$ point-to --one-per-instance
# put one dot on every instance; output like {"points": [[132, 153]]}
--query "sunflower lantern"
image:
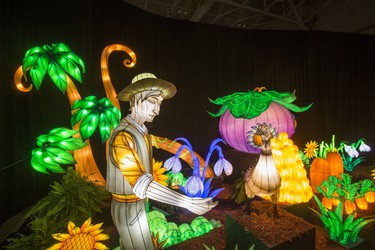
{"points": [[86, 237]]}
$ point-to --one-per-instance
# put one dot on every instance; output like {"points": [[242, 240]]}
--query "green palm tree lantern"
{"points": [[94, 113], [58, 60]]}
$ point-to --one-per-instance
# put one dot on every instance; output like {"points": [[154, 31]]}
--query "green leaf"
{"points": [[87, 103], [53, 138], [78, 116], [40, 140], [89, 125], [63, 132], [348, 221], [113, 114], [51, 164], [337, 223], [69, 66], [354, 234], [322, 208], [72, 56], [71, 144], [35, 50], [60, 156], [39, 70], [37, 165], [104, 128], [58, 76], [31, 56], [59, 48]]}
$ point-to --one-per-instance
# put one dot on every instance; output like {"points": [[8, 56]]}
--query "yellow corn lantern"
{"points": [[295, 187]]}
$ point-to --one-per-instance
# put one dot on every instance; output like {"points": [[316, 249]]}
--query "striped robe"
{"points": [[129, 156]]}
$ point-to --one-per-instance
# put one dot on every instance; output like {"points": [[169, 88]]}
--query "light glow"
{"points": [[295, 187]]}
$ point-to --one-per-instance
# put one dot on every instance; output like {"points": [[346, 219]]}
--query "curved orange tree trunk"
{"points": [[85, 162]]}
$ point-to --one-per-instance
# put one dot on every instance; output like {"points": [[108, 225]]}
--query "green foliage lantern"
{"points": [[93, 113], [186, 231], [158, 223], [341, 229], [54, 150], [173, 235], [201, 226], [56, 60]]}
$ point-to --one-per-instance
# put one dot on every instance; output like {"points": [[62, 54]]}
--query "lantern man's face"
{"points": [[149, 107]]}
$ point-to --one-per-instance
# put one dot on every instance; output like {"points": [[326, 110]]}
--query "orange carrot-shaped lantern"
{"points": [[370, 197], [361, 203]]}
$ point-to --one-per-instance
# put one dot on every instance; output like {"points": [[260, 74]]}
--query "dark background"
{"points": [[335, 71]]}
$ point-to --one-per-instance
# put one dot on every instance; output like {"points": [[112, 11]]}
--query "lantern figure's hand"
{"points": [[147, 187], [201, 206]]}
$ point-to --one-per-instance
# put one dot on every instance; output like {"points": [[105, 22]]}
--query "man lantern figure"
{"points": [[129, 167]]}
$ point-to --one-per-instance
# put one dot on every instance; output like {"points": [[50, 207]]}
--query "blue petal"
{"points": [[216, 192]]}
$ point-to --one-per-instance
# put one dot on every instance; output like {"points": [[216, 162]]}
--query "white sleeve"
{"points": [[140, 187]]}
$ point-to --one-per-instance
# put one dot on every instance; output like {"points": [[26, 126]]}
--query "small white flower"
{"points": [[352, 152], [223, 164], [173, 163], [364, 148]]}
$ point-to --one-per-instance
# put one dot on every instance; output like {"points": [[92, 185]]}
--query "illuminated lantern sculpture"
{"points": [[370, 197], [334, 158], [241, 111], [295, 187], [320, 169]]}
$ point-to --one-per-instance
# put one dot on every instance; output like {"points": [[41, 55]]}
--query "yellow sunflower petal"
{"points": [[57, 246], [96, 232], [76, 231], [96, 226], [88, 229], [86, 224], [61, 237], [71, 226], [100, 246], [101, 237], [160, 171], [162, 177]]}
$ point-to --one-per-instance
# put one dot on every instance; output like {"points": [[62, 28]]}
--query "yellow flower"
{"points": [[86, 237], [158, 172], [310, 149]]}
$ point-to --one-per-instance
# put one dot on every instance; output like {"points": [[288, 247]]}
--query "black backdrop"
{"points": [[335, 71]]}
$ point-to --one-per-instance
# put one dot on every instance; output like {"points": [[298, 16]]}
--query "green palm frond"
{"points": [[52, 150], [58, 60], [93, 113]]}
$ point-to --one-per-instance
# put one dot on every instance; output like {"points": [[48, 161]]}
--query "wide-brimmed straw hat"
{"points": [[147, 81]]}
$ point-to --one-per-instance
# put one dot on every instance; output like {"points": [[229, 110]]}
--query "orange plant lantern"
{"points": [[361, 203], [334, 158], [350, 206], [370, 197], [327, 202], [319, 171], [335, 162], [335, 201]]}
